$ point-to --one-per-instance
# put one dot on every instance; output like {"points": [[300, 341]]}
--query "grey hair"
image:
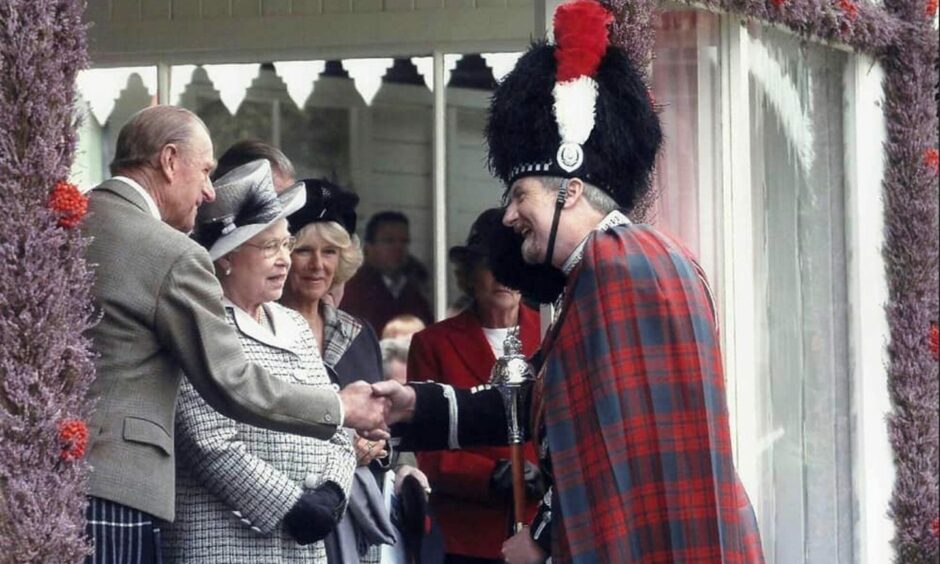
{"points": [[150, 130], [599, 200], [350, 252]]}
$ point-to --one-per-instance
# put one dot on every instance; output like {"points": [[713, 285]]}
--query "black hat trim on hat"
{"points": [[326, 201]]}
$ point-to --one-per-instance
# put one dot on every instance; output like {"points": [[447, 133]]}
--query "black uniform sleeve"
{"points": [[448, 418]]}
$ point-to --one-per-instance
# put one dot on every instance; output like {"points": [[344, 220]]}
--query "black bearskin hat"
{"points": [[577, 108], [523, 133]]}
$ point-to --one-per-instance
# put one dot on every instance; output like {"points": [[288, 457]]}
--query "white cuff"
{"points": [[342, 412]]}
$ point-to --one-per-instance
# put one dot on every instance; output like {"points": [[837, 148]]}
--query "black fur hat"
{"points": [[577, 108], [620, 151]]}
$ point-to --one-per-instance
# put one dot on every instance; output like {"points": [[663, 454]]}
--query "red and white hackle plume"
{"points": [[580, 44]]}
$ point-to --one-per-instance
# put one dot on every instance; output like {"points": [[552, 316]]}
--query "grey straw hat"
{"points": [[245, 204]]}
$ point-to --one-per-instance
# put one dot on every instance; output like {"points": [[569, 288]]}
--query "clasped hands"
{"points": [[371, 408]]}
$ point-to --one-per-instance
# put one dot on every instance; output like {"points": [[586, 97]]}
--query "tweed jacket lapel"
{"points": [[286, 335], [471, 346]]}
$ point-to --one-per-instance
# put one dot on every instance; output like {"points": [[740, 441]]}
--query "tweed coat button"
{"points": [[246, 522], [310, 481], [237, 514], [256, 529]]}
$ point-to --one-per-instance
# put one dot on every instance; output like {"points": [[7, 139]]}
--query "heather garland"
{"points": [[902, 37], [45, 303]]}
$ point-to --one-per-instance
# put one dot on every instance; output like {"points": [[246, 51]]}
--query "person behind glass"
{"points": [[395, 358], [246, 494], [472, 486], [381, 289], [326, 255], [395, 367], [402, 327]]}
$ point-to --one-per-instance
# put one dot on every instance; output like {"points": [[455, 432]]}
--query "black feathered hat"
{"points": [[577, 108], [325, 202]]}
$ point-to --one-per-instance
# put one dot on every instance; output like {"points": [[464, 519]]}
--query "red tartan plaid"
{"points": [[636, 415]]}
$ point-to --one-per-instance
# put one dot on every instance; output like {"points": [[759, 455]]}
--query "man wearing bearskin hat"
{"points": [[628, 408]]}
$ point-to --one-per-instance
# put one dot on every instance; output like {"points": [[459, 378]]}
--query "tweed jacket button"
{"points": [[310, 481], [256, 529], [237, 514], [246, 522]]}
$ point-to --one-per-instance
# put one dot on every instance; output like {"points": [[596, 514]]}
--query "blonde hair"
{"points": [[404, 325], [350, 252]]}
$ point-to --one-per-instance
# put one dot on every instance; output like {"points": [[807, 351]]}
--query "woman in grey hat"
{"points": [[246, 494]]}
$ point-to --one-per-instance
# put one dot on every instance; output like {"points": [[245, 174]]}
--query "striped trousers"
{"points": [[121, 534]]}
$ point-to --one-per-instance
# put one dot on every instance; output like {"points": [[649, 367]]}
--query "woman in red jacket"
{"points": [[472, 488]]}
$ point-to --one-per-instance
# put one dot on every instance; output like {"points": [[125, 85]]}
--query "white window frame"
{"points": [[864, 131]]}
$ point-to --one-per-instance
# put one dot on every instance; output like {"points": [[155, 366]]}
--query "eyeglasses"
{"points": [[272, 247]]}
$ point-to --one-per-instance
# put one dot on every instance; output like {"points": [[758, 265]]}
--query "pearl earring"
{"points": [[228, 270]]}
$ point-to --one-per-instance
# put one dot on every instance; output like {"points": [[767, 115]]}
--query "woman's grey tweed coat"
{"points": [[236, 482]]}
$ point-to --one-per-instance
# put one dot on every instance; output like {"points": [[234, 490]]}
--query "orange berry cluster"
{"points": [[69, 204]]}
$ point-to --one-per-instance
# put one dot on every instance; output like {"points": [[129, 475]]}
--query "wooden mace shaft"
{"points": [[518, 486]]}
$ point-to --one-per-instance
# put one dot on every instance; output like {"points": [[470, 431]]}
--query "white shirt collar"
{"points": [[612, 219], [151, 205]]}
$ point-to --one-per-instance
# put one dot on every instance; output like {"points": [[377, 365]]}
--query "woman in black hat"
{"points": [[325, 256]]}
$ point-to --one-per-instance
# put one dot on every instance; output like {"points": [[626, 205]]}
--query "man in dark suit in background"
{"points": [[162, 317], [382, 288]]}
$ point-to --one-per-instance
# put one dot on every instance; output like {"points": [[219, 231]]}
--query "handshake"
{"points": [[371, 408]]}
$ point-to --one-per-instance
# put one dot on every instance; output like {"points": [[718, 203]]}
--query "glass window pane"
{"points": [[804, 500], [686, 88]]}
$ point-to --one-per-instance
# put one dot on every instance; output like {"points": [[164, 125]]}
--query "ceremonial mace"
{"points": [[508, 375]]}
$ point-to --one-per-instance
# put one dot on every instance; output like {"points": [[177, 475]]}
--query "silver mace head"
{"points": [[512, 370], [508, 375]]}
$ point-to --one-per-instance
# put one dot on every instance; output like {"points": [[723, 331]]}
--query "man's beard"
{"points": [[531, 253]]}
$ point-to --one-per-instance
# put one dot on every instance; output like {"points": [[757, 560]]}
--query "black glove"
{"points": [[316, 513], [501, 480]]}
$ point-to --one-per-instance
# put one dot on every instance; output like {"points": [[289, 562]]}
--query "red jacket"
{"points": [[455, 351]]}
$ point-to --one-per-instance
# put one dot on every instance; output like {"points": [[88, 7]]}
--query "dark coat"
{"points": [[368, 298]]}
